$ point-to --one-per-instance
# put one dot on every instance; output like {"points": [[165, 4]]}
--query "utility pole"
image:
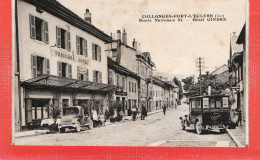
{"points": [[200, 65]]}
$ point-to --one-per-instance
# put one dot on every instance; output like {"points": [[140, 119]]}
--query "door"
{"points": [[123, 104]]}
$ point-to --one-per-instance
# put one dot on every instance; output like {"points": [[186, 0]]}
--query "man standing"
{"points": [[144, 113], [164, 109]]}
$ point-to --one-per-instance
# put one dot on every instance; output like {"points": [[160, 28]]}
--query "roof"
{"points": [[207, 96], [235, 48], [242, 36], [120, 69], [220, 69], [67, 83], [57, 9]]}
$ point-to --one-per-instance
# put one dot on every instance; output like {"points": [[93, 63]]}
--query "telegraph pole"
{"points": [[200, 65]]}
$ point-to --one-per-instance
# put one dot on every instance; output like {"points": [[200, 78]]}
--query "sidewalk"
{"points": [[41, 132], [238, 135]]}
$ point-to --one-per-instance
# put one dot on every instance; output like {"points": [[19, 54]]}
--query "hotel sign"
{"points": [[70, 56]]}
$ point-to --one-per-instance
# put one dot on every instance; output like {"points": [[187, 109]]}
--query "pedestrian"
{"points": [[106, 115], [134, 112], [144, 113], [239, 117], [164, 109]]}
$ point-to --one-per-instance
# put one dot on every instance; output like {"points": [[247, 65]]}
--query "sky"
{"points": [[173, 45]]}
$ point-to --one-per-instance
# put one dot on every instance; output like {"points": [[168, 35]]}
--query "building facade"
{"points": [[62, 60], [238, 72]]}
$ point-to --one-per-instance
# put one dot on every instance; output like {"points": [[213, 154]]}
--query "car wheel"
{"points": [[78, 126], [222, 130], [62, 130], [198, 127], [182, 125], [90, 125]]}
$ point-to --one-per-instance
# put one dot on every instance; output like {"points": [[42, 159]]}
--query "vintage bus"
{"points": [[207, 113]]}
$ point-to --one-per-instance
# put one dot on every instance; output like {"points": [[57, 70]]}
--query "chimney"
{"points": [[118, 35], [134, 44], [125, 38], [87, 16]]}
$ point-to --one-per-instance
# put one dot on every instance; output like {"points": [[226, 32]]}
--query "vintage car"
{"points": [[207, 112], [74, 118]]}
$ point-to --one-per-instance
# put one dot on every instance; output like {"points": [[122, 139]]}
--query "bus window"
{"points": [[218, 102], [212, 103], [193, 103], [225, 102], [205, 102], [197, 103]]}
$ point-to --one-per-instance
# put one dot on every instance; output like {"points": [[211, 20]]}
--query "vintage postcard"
{"points": [[130, 73]]}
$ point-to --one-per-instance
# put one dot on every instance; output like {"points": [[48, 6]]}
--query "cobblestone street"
{"points": [[155, 129]]}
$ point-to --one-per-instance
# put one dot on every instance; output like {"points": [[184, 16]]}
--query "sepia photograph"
{"points": [[130, 73]]}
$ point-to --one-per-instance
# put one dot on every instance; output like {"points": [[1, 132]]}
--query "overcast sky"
{"points": [[173, 46]]}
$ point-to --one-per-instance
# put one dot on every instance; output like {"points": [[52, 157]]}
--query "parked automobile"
{"points": [[74, 118], [207, 113]]}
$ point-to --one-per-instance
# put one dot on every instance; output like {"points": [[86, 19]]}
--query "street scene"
{"points": [[86, 76], [155, 130]]}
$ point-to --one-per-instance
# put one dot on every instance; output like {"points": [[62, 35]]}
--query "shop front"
{"points": [[45, 96]]}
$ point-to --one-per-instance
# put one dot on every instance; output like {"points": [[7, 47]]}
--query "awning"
{"points": [[67, 83]]}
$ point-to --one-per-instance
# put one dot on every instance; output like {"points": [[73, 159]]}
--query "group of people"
{"points": [[134, 112]]}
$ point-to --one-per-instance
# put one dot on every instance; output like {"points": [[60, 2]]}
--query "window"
{"points": [[97, 77], [82, 46], [218, 102], [123, 83], [63, 38], [225, 102], [39, 29], [96, 52], [117, 80], [40, 66], [129, 86], [132, 87], [83, 75], [205, 102], [135, 87], [110, 77], [64, 70], [65, 102], [40, 108], [212, 103]]}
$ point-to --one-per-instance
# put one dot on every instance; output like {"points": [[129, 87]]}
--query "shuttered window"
{"points": [[32, 26], [69, 71], [38, 29], [81, 46], [34, 66], [68, 41], [58, 37], [28, 110], [47, 64], [97, 76], [59, 69], [46, 32], [85, 44], [96, 52]]}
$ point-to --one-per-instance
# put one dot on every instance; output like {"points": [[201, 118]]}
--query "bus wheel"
{"points": [[198, 127]]}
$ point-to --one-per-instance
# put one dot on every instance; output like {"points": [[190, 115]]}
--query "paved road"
{"points": [[155, 129]]}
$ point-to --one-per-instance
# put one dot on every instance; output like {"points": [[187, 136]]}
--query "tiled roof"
{"points": [[57, 9], [61, 82], [121, 69]]}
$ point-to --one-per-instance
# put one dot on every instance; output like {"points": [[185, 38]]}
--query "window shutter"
{"points": [[69, 71], [28, 104], [77, 44], [93, 51], [85, 47], [100, 77], [87, 78], [46, 32], [59, 69], [32, 26], [34, 66], [99, 53], [94, 76], [68, 41], [58, 35], [47, 61], [78, 73]]}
